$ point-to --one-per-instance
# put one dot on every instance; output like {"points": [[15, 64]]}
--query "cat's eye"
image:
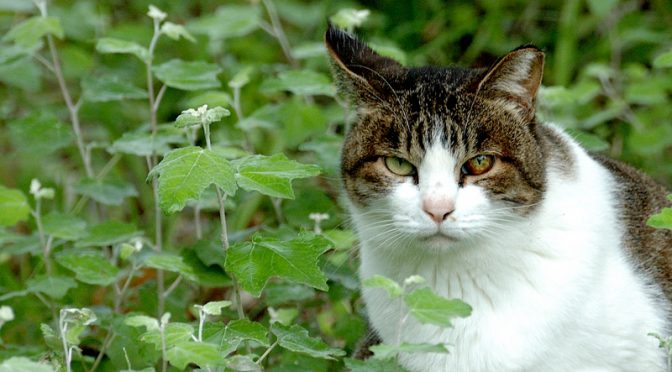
{"points": [[399, 166], [478, 165]]}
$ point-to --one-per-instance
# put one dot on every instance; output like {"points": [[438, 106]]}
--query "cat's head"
{"points": [[440, 154]]}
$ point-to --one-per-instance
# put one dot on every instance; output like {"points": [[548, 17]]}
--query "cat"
{"points": [[449, 175]]}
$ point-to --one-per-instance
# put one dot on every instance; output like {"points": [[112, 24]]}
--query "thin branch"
{"points": [[172, 287], [106, 344], [268, 351], [159, 96], [279, 33]]}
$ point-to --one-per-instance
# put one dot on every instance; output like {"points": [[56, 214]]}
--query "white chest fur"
{"points": [[550, 292]]}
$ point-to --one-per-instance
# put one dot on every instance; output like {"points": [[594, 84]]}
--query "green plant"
{"points": [[100, 265]]}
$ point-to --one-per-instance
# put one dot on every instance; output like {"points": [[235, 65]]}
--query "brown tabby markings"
{"points": [[401, 110]]}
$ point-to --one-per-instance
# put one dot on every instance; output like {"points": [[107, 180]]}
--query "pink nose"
{"points": [[438, 209]]}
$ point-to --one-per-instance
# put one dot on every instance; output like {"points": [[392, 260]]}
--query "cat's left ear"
{"points": [[516, 77]]}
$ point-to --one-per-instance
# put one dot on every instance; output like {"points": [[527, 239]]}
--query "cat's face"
{"points": [[439, 155]]}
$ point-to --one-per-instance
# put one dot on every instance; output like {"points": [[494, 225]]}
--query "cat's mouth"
{"points": [[440, 238]]}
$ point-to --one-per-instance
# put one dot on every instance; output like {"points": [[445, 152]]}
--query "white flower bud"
{"points": [[156, 13]]}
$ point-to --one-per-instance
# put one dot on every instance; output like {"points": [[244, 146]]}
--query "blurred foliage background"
{"points": [[608, 80]]}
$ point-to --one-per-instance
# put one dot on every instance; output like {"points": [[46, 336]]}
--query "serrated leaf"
{"points": [[109, 45], [245, 330], [146, 144], [211, 98], [215, 307], [242, 363], [53, 286], [174, 333], [170, 262], [110, 88], [142, 321], [109, 233], [14, 206], [30, 32], [228, 21], [372, 365], [199, 353], [50, 338], [390, 286], [39, 134], [176, 32], [383, 351], [272, 175], [89, 267], [16, 364], [184, 174], [662, 220], [300, 82], [255, 262], [185, 75], [430, 308], [282, 293], [663, 60], [296, 339], [64, 226]]}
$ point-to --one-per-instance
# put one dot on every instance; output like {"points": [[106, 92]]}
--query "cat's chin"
{"points": [[440, 240]]}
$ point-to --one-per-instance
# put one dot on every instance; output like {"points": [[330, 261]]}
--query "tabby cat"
{"points": [[450, 176]]}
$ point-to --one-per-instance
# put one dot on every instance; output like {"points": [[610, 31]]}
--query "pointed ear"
{"points": [[361, 73], [516, 77]]}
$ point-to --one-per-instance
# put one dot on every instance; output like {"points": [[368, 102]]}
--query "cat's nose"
{"points": [[438, 209]]}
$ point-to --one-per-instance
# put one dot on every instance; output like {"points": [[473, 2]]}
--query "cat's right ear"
{"points": [[360, 73]]}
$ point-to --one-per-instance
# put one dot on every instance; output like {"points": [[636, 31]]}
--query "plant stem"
{"points": [[152, 160], [172, 287], [221, 198], [44, 241], [164, 358], [279, 33], [247, 145], [63, 328], [197, 222], [106, 344], [268, 351], [73, 108]]}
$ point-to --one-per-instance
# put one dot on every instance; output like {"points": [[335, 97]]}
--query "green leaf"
{"points": [[210, 252], [142, 321], [242, 363], [199, 353], [109, 233], [175, 333], [108, 45], [255, 262], [428, 307], [39, 134], [176, 32], [64, 226], [50, 337], [184, 75], [170, 262], [53, 286], [229, 21], [15, 364], [372, 365], [14, 206], [663, 60], [30, 32], [282, 293], [146, 144], [245, 330], [110, 88], [106, 192], [601, 7], [272, 175], [184, 174], [215, 307], [89, 267], [296, 339], [662, 220], [23, 73], [383, 351], [349, 18], [241, 78], [390, 286], [300, 82], [211, 98], [200, 116]]}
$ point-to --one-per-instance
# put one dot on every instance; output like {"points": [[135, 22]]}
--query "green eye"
{"points": [[478, 165], [399, 166]]}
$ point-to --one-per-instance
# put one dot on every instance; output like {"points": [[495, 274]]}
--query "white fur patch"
{"points": [[550, 292]]}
